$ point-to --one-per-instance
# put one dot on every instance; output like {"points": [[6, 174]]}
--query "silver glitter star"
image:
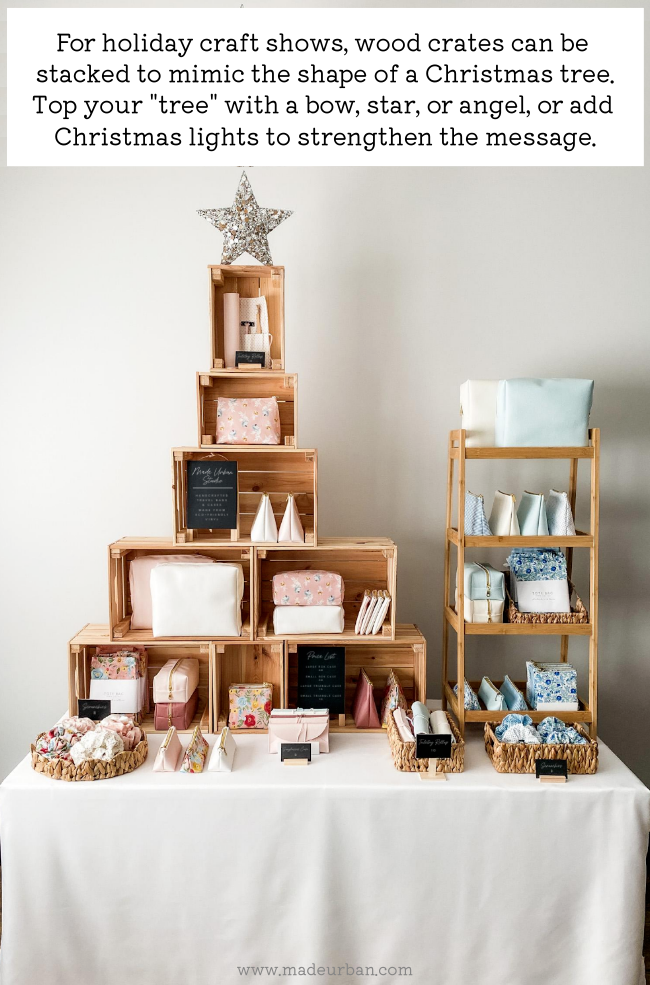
{"points": [[245, 225]]}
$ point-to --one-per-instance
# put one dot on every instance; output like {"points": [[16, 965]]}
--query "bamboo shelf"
{"points": [[453, 617], [249, 282], [274, 469], [240, 384]]}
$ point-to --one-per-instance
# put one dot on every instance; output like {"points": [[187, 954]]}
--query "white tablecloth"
{"points": [[169, 879]]}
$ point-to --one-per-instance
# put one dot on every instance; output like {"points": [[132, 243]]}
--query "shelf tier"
{"points": [[524, 453], [582, 715], [579, 539], [334, 727], [518, 629]]}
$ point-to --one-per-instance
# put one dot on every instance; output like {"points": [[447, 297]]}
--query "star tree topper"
{"points": [[245, 226]]}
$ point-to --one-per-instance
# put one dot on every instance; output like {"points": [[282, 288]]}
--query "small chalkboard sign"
{"points": [[321, 678], [551, 767], [249, 358], [94, 709], [433, 746], [211, 495], [295, 750]]}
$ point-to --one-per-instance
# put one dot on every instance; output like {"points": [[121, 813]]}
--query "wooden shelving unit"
{"points": [[454, 617]]}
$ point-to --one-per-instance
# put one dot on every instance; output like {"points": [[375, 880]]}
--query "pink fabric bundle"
{"points": [[126, 727], [81, 725], [56, 744]]}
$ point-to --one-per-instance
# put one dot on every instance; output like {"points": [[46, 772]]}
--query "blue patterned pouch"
{"points": [[476, 524]]}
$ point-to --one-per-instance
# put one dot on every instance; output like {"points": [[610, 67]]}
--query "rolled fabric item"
{"points": [[124, 726], [440, 724], [230, 329], [403, 725], [101, 744], [76, 724], [57, 743], [420, 715]]}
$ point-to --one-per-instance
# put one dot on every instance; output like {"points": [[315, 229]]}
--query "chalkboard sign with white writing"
{"points": [[94, 709], [321, 678], [433, 746], [249, 358], [551, 767], [295, 750], [212, 495]]}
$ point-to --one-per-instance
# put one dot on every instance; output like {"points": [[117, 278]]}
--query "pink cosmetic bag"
{"points": [[140, 570], [308, 588], [177, 713], [248, 421], [299, 725]]}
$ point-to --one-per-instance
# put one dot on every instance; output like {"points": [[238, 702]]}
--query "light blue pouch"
{"points": [[482, 581], [420, 714], [491, 697], [535, 412], [476, 524], [513, 697], [531, 515]]}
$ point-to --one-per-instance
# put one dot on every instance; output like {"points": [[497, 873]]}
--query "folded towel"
{"points": [[440, 724], [420, 714]]}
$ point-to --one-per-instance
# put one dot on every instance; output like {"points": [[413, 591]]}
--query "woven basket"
{"points": [[93, 769], [404, 752], [519, 757], [577, 615]]}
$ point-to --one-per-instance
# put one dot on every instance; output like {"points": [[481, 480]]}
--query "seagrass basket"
{"points": [[93, 769], [578, 612], [404, 752], [519, 757]]}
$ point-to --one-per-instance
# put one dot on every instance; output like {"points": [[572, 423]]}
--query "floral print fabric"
{"points": [[537, 564], [308, 588], [113, 663], [248, 421], [551, 682], [195, 754], [393, 698], [250, 705]]}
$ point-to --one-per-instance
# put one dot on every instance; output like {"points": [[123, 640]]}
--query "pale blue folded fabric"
{"points": [[515, 700], [492, 699], [510, 720], [553, 729], [420, 714], [537, 412], [531, 515]]}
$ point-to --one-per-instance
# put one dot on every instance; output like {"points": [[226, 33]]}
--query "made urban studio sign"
{"points": [[212, 495]]}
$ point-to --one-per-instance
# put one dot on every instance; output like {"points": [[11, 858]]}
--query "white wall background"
{"points": [[400, 284]]}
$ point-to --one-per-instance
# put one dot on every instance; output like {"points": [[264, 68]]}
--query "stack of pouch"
{"points": [[551, 686], [175, 693], [538, 580], [308, 602], [485, 592]]}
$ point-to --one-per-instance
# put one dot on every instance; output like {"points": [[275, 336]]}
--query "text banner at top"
{"points": [[326, 86]]}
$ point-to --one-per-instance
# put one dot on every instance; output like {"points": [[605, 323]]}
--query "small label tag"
{"points": [[551, 767], [437, 746], [94, 709], [295, 750], [249, 358]]}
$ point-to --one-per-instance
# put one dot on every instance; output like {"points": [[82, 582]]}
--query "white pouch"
{"points": [[197, 599], [140, 570], [222, 758], [291, 530], [503, 518], [378, 620], [559, 515], [478, 411], [483, 610], [264, 529], [169, 754], [302, 620]]}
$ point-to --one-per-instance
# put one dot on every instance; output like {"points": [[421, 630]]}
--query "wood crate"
{"points": [[247, 663], [276, 470], [238, 384], [85, 644], [122, 552], [249, 282], [362, 563], [406, 655]]}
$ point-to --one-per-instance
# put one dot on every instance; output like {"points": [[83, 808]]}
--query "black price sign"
{"points": [[212, 495], [321, 678], [433, 746], [94, 709], [295, 750], [249, 358], [551, 767]]}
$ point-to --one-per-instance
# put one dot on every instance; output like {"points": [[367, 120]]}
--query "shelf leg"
{"points": [[593, 580], [460, 606], [445, 625]]}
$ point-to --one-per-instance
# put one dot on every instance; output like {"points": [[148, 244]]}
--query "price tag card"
{"points": [[551, 769], [433, 746], [94, 709]]}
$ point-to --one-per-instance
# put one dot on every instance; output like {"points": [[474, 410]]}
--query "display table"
{"points": [[171, 879]]}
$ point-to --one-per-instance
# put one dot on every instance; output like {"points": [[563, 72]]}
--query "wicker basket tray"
{"points": [[93, 769], [519, 757], [404, 752], [578, 614]]}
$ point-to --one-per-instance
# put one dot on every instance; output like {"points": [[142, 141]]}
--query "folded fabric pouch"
{"points": [[514, 699], [169, 754], [265, 529], [197, 599], [140, 570], [538, 580], [490, 696], [403, 725], [420, 716], [538, 412], [531, 515], [476, 524], [249, 705], [559, 515], [303, 620], [471, 701], [299, 725], [393, 698], [177, 680], [555, 730], [118, 663], [176, 713], [364, 708], [222, 758], [551, 686], [196, 753], [248, 421], [503, 518], [478, 407], [308, 588], [440, 724], [291, 528]]}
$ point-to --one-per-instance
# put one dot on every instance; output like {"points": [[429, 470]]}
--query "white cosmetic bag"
{"points": [[503, 518], [483, 610], [478, 411], [300, 620], [197, 599], [222, 759]]}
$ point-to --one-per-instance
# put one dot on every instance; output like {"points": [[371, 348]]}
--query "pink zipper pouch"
{"points": [[308, 588], [248, 421]]}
